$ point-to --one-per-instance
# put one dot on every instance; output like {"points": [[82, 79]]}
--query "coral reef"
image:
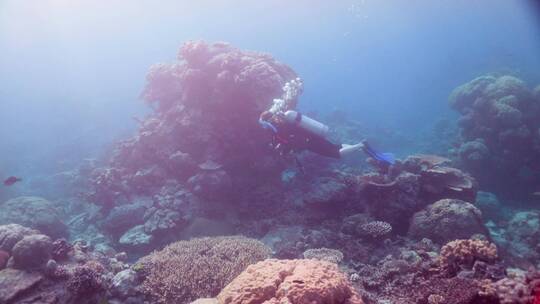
{"points": [[290, 281], [500, 143], [200, 165], [447, 220], [187, 270], [42, 271], [411, 185], [206, 109]]}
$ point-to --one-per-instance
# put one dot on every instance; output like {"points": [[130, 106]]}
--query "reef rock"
{"points": [[136, 237], [211, 183], [32, 251], [14, 282], [491, 207], [290, 281], [126, 216], [162, 220], [325, 190], [33, 212], [447, 220], [524, 233]]}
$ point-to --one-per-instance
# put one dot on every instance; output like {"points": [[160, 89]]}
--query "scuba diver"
{"points": [[295, 132]]}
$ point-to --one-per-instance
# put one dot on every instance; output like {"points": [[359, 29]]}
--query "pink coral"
{"points": [[290, 281]]}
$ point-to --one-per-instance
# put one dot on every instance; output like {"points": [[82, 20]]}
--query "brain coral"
{"points": [[447, 220], [187, 270], [290, 281]]}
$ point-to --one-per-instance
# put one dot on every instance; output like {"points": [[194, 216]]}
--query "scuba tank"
{"points": [[306, 123]]}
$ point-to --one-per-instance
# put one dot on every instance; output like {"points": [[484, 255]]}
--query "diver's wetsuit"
{"points": [[291, 137]]}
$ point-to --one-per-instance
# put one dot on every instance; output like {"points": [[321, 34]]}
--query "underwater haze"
{"points": [[399, 140], [72, 71]]}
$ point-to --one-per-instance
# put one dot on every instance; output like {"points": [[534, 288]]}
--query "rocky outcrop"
{"points": [[14, 282]]}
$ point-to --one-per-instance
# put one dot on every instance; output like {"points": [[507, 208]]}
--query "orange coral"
{"points": [[290, 281]]}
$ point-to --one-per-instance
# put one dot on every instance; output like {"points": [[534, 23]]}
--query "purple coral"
{"points": [[85, 280]]}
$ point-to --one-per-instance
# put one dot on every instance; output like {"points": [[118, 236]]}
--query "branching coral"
{"points": [[85, 280], [460, 254], [188, 270], [61, 249]]}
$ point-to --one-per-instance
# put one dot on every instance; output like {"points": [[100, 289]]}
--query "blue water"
{"points": [[71, 71]]}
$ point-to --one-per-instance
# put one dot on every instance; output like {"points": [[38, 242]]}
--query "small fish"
{"points": [[12, 180]]}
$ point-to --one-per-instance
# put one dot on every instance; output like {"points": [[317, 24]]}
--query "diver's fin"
{"points": [[386, 158]]}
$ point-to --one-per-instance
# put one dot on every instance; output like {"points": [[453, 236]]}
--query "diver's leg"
{"points": [[348, 149]]}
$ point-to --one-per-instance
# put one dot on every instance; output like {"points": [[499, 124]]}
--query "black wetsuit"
{"points": [[291, 137]]}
